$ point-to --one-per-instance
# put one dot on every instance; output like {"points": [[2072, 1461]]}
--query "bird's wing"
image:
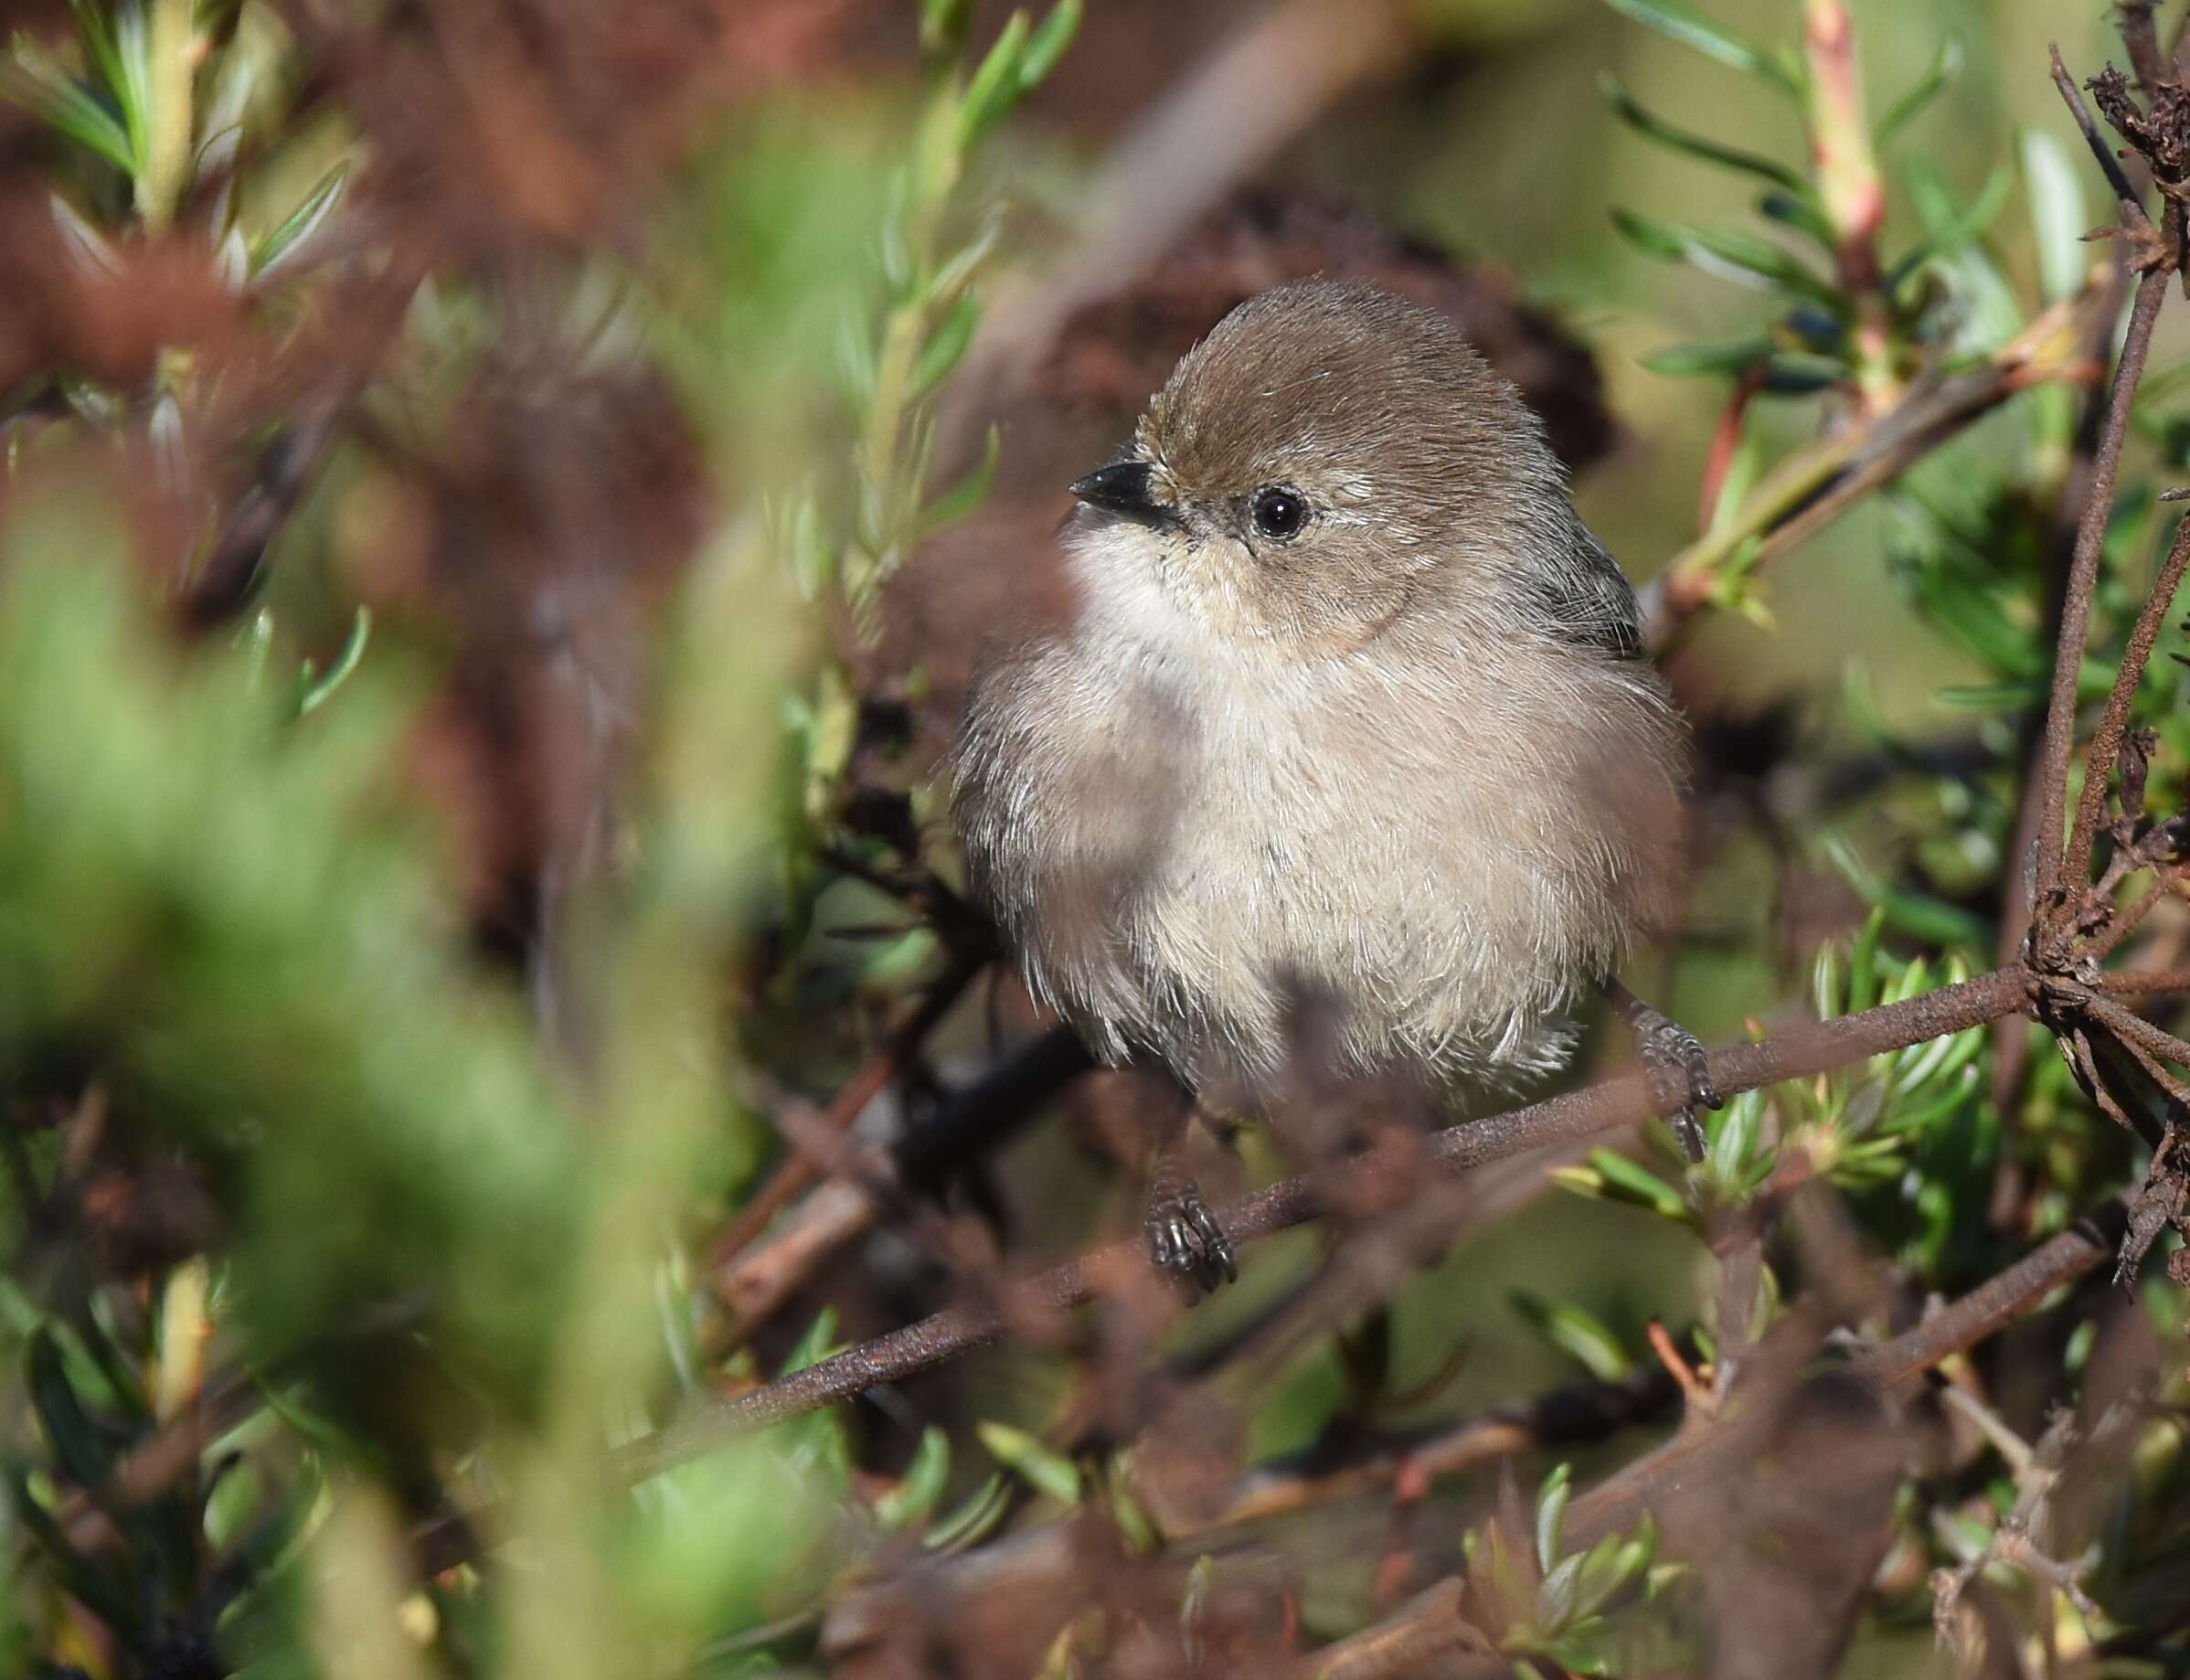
{"points": [[1589, 598]]}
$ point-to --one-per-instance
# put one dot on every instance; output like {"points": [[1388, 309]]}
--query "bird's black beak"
{"points": [[1126, 488]]}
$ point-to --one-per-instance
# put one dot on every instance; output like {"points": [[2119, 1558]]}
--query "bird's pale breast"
{"points": [[1183, 840]]}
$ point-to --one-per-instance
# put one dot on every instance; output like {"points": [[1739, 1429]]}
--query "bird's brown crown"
{"points": [[1348, 386]]}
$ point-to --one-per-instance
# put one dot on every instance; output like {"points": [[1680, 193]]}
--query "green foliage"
{"points": [[1910, 1136], [1605, 1610], [437, 1245], [185, 884], [1850, 318]]}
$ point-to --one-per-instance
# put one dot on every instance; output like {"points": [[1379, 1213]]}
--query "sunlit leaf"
{"points": [[1048, 43], [1728, 253], [2058, 216], [34, 79], [994, 87], [281, 245], [1630, 1181], [1551, 1514], [1575, 1332], [1042, 1469]]}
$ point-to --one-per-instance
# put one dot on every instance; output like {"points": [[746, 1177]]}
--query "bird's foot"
{"points": [[1679, 1070], [1183, 1238]]}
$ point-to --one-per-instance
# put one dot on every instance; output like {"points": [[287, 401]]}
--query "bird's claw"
{"points": [[1680, 1073], [1185, 1240]]}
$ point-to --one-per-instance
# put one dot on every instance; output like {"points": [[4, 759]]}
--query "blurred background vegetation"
{"points": [[499, 501]]}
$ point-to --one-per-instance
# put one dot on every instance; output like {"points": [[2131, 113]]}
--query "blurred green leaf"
{"points": [[1575, 1332], [1796, 372], [1946, 66], [295, 1004], [1967, 225], [78, 1576], [916, 1492], [313, 691], [946, 344], [970, 491], [292, 236], [124, 55], [1551, 1516], [816, 1344], [1718, 355], [1656, 128], [1728, 253], [943, 24], [1914, 913], [34, 79], [973, 1519], [1800, 214], [1691, 26], [994, 87], [2058, 216], [1628, 1180], [1045, 1470], [1990, 696], [78, 1443], [1048, 43]]}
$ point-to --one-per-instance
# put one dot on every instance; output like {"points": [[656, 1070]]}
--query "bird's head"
{"points": [[1325, 454]]}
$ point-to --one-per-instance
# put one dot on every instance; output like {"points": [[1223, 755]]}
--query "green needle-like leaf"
{"points": [[1656, 128], [1743, 258], [1946, 65], [34, 79], [1691, 26], [301, 223]]}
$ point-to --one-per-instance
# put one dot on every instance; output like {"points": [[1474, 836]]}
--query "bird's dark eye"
{"points": [[1279, 513]]}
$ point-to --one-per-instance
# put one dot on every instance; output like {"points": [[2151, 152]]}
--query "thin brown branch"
{"points": [[2106, 741], [2083, 575], [2133, 207], [2144, 983], [2001, 1300], [1588, 1412], [1722, 1450], [2141, 35], [2135, 1029], [965, 1127], [1812, 1047], [2127, 921], [804, 1166]]}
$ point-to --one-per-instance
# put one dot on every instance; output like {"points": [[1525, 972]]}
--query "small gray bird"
{"points": [[1352, 705]]}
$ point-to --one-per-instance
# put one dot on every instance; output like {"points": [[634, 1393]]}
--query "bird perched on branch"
{"points": [[1353, 706]]}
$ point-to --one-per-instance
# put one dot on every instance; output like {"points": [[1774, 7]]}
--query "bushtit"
{"points": [[1352, 705]]}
